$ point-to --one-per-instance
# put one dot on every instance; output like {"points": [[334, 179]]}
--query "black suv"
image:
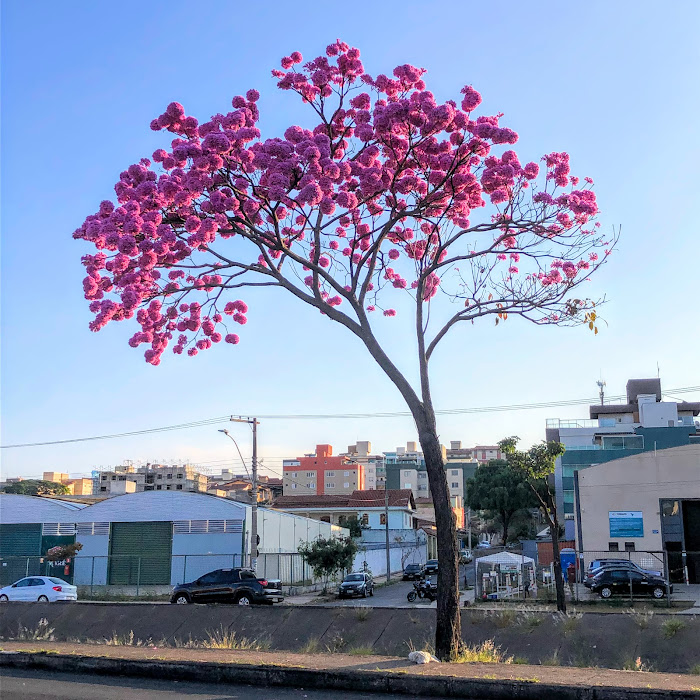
{"points": [[240, 586], [610, 580]]}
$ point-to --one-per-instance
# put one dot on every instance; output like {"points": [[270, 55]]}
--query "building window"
{"points": [[103, 488], [364, 520], [407, 486], [179, 487], [179, 476], [629, 546], [330, 485], [310, 473], [346, 473], [159, 487], [169, 476], [382, 518], [613, 547], [455, 484], [346, 485], [294, 486], [455, 472], [330, 473], [407, 473]]}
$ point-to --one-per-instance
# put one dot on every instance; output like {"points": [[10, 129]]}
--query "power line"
{"points": [[345, 416]]}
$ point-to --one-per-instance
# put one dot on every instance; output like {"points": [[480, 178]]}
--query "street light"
{"points": [[254, 484]]}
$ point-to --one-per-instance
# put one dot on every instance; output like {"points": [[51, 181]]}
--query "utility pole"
{"points": [[386, 531], [253, 422]]}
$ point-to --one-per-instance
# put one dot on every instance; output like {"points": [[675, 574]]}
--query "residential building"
{"points": [[153, 477], [647, 503], [375, 472], [322, 473], [644, 423], [369, 507], [405, 468], [76, 487], [483, 454]]}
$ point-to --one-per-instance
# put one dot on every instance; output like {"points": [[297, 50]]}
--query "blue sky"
{"points": [[614, 84]]}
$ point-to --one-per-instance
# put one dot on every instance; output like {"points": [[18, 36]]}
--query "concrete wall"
{"points": [[636, 483]]}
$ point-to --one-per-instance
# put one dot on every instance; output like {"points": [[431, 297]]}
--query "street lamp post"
{"points": [[253, 557]]}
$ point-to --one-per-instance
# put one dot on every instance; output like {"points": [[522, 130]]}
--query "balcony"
{"points": [[612, 442], [572, 423]]}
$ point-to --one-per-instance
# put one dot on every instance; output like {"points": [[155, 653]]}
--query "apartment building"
{"points": [[152, 477], [482, 453], [375, 471], [643, 423], [321, 473], [76, 487]]}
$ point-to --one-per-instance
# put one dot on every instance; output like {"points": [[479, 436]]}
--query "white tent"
{"points": [[506, 558]]}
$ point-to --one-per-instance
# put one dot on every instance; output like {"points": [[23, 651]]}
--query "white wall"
{"points": [[90, 564]]}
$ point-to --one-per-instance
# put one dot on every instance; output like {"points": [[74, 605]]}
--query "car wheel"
{"points": [[3, 598], [244, 599], [181, 599], [411, 596], [42, 599], [364, 592], [605, 592], [658, 592], [371, 591]]}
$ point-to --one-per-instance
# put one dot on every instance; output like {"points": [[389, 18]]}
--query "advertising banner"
{"points": [[626, 523]]}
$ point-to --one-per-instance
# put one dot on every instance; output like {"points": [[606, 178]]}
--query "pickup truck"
{"points": [[238, 586]]}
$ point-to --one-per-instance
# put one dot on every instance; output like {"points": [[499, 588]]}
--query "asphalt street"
{"points": [[394, 596], [36, 685]]}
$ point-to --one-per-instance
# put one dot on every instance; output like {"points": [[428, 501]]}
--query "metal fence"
{"points": [[518, 577], [136, 575]]}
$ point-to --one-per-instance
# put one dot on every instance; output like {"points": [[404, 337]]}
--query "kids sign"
{"points": [[626, 523]]}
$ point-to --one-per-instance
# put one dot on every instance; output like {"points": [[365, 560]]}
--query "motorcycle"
{"points": [[422, 589]]}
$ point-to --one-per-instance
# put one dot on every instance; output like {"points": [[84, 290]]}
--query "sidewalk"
{"points": [[373, 674]]}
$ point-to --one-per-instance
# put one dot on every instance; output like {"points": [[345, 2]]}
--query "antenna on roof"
{"points": [[658, 370], [601, 389]]}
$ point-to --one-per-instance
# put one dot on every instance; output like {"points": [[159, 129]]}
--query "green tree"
{"points": [[328, 557], [354, 525], [501, 491], [537, 466], [37, 487]]}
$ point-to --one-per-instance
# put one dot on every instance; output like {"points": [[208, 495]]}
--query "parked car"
{"points": [[465, 556], [239, 586], [610, 580], [360, 584], [431, 567], [484, 545], [597, 564], [412, 571], [43, 589]]}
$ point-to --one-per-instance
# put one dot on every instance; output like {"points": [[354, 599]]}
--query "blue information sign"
{"points": [[626, 523]]}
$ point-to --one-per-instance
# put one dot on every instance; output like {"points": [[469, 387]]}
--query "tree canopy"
{"points": [[37, 487], [329, 556], [385, 199], [501, 491]]}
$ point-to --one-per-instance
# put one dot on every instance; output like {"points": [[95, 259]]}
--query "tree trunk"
{"points": [[506, 522], [558, 576], [448, 632]]}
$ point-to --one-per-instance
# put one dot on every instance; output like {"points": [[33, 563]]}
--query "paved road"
{"points": [[394, 596], [36, 685]]}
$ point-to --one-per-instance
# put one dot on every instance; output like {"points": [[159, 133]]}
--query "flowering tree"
{"points": [[375, 201]]}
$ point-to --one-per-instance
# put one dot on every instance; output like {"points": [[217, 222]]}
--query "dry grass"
{"points": [[360, 650], [227, 639], [635, 665], [672, 627], [485, 653], [362, 613], [311, 646], [41, 633]]}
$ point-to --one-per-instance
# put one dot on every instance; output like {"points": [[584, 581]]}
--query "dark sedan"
{"points": [[356, 584], [431, 567], [239, 586], [610, 581], [412, 572]]}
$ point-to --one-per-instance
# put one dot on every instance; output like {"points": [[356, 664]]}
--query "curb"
{"points": [[363, 681]]}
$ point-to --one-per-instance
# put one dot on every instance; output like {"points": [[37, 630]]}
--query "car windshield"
{"points": [[413, 566], [432, 561], [354, 577]]}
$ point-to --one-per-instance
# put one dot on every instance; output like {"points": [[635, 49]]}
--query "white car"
{"points": [[42, 589]]}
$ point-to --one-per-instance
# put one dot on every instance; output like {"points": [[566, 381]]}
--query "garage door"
{"points": [[140, 553], [20, 551]]}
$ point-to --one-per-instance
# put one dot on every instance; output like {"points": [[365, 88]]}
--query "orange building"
{"points": [[321, 473]]}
